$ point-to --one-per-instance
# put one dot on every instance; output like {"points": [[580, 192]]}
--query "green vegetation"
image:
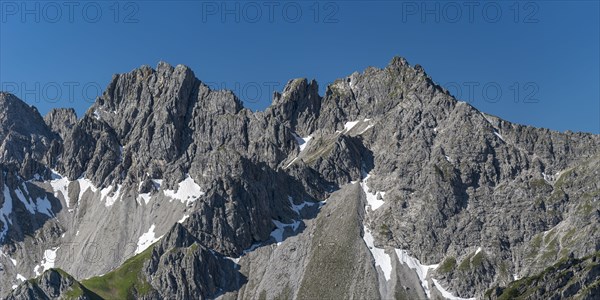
{"points": [[525, 287], [123, 283], [384, 229], [465, 264], [448, 265], [539, 184], [477, 260], [562, 179]]}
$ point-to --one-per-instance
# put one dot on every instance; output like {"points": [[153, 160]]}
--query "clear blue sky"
{"points": [[547, 51]]}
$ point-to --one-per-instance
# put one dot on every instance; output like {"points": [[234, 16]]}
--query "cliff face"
{"points": [[386, 179]]}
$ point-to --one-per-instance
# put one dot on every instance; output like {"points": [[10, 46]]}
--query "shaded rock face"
{"points": [[243, 204], [53, 284], [61, 120]]}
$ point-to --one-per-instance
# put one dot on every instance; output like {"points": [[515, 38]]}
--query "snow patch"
{"points": [[24, 199], [144, 197], [21, 277], [499, 135], [157, 183], [146, 240], [47, 261], [5, 212], [110, 195], [447, 294], [381, 258], [302, 142], [348, 126], [419, 268], [60, 184], [277, 234], [84, 185], [187, 192], [372, 200], [183, 219], [298, 208], [44, 206]]}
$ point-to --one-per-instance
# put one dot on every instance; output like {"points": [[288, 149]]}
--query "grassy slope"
{"points": [[124, 282]]}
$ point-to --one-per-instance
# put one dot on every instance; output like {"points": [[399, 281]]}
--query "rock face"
{"points": [[53, 284], [384, 187], [570, 278]]}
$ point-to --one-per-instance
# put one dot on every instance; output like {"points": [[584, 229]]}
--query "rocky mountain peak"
{"points": [[23, 131], [298, 105], [61, 120]]}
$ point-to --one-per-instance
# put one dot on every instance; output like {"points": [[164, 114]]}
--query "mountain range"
{"points": [[385, 187]]}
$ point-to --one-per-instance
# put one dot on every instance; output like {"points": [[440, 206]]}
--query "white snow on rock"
{"points": [[372, 200], [499, 135], [381, 258], [21, 277], [157, 183], [369, 126], [44, 206], [47, 261], [144, 197], [13, 261], [5, 212], [447, 294], [302, 142], [110, 195], [84, 185], [60, 184], [146, 240], [419, 268], [478, 250], [24, 199], [183, 219], [298, 208], [187, 192], [277, 234], [349, 125]]}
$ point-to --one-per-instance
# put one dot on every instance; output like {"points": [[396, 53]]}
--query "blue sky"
{"points": [[534, 63]]}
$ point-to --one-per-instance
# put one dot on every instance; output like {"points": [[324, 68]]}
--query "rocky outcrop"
{"points": [[53, 284], [61, 121], [570, 278]]}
